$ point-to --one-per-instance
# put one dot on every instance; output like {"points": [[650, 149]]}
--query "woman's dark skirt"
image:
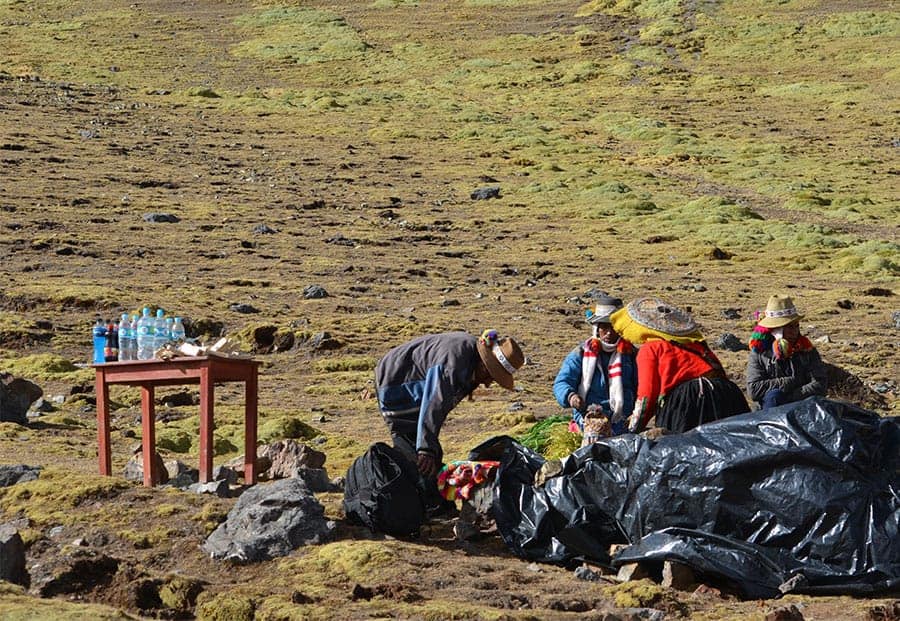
{"points": [[699, 401]]}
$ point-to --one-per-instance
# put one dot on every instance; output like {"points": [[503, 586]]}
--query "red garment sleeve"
{"points": [[649, 384]]}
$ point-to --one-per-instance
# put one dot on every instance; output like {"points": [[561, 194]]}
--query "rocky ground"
{"points": [[325, 206]]}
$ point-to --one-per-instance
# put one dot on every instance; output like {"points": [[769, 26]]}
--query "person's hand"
{"points": [[576, 402], [634, 423], [427, 464]]}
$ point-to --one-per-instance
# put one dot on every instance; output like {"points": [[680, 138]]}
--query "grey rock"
{"points": [[161, 218], [485, 193], [245, 309], [224, 473], [324, 341], [314, 292], [316, 479], [268, 521], [731, 313], [16, 397], [264, 229], [134, 467], [895, 317], [288, 456], [219, 488], [586, 573], [730, 342], [20, 473], [12, 556]]}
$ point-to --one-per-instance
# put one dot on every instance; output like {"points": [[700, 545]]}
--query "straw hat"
{"points": [[651, 318], [502, 357], [780, 311], [604, 307]]}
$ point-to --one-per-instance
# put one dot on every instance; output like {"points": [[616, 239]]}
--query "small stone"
{"points": [[486, 193], [730, 342], [677, 576], [586, 573], [784, 613], [160, 217], [314, 292], [535, 568], [717, 254], [632, 571], [264, 229], [823, 339], [244, 309]]}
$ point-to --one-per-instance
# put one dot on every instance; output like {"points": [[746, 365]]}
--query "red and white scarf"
{"points": [[592, 348]]}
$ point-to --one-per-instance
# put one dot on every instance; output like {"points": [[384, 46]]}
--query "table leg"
{"points": [[250, 423], [148, 432], [206, 425], [103, 449]]}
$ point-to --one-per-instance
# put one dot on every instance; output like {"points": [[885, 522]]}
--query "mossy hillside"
{"points": [[546, 135], [87, 44]]}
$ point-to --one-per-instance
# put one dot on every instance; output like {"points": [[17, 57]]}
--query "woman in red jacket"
{"points": [[680, 380]]}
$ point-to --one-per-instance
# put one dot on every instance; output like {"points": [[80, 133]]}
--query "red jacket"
{"points": [[662, 366]]}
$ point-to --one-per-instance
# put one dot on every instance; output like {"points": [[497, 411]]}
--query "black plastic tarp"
{"points": [[805, 497]]}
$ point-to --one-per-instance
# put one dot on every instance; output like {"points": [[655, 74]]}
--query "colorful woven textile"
{"points": [[459, 478], [762, 339]]}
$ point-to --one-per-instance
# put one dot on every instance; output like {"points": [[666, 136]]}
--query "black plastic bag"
{"points": [[804, 498], [381, 492]]}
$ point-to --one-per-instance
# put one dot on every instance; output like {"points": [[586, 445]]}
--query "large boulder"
{"points": [[12, 556], [269, 520], [16, 396], [19, 473]]}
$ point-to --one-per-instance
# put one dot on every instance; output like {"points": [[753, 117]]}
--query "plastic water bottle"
{"points": [[128, 337], [99, 336], [145, 325], [169, 323], [160, 331], [134, 346], [177, 333]]}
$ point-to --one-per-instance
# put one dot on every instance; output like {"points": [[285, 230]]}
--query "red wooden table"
{"points": [[204, 370]]}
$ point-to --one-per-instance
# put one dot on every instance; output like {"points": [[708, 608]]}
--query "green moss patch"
{"points": [[50, 498], [46, 367], [286, 427], [298, 35]]}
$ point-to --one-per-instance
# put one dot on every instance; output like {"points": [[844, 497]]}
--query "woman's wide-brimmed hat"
{"points": [[648, 318], [501, 356], [604, 307], [780, 311]]}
